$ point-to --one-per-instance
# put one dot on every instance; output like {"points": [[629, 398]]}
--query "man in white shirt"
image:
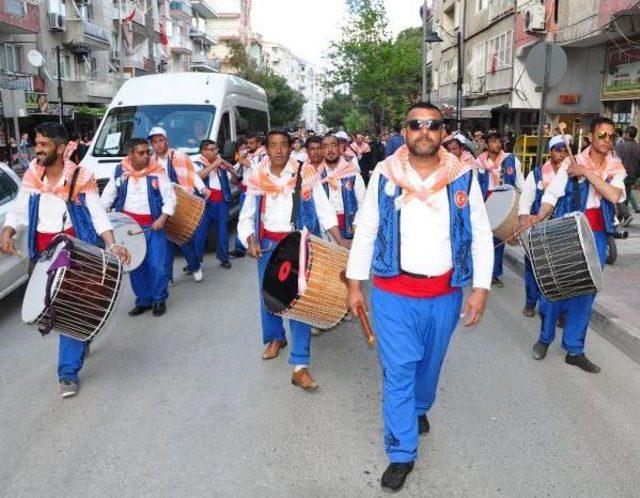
{"points": [[182, 172], [497, 168], [143, 191], [56, 196], [266, 219], [424, 233], [530, 199], [592, 183]]}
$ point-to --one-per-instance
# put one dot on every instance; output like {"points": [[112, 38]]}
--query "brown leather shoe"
{"points": [[273, 349], [303, 379], [529, 312]]}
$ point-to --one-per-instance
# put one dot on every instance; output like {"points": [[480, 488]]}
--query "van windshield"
{"points": [[186, 126]]}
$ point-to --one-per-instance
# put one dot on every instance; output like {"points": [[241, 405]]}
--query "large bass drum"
{"points": [[564, 257], [187, 217], [305, 280], [502, 210], [73, 289]]}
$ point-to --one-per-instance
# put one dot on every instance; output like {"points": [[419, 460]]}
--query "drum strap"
{"points": [[296, 196], [62, 261], [576, 194]]}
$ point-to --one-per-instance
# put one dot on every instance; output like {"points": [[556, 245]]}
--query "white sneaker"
{"points": [[197, 275], [315, 331]]}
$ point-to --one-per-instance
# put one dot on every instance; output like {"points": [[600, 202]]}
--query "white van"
{"points": [[191, 107]]}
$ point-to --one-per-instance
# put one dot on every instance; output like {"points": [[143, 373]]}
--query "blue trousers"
{"points": [[498, 254], [150, 281], [577, 310], [530, 286], [238, 245], [188, 250], [272, 325], [218, 213], [413, 335], [70, 358]]}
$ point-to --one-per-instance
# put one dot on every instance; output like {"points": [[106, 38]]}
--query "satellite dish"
{"points": [[35, 58]]}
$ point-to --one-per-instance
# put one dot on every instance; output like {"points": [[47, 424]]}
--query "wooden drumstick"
{"points": [[138, 232], [563, 126], [366, 326]]}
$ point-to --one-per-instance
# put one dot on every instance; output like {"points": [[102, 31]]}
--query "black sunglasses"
{"points": [[431, 124]]}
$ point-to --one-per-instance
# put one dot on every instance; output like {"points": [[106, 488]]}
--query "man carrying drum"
{"points": [[283, 196], [592, 183], [424, 233], [181, 171], [495, 168], [538, 180], [142, 190], [56, 196]]}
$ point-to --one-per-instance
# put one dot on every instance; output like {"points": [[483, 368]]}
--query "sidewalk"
{"points": [[616, 311]]}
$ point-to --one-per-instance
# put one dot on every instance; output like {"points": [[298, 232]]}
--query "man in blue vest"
{"points": [[592, 183], [497, 167], [144, 192], [56, 196], [424, 234], [272, 209], [216, 174], [537, 181]]}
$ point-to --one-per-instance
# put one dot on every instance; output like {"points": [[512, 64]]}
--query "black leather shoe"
{"points": [[581, 361], [159, 309], [138, 310], [423, 424], [225, 264], [540, 350], [237, 254], [395, 475]]}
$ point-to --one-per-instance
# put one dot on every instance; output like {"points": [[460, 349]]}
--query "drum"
{"points": [[564, 257], [305, 280], [502, 209], [73, 289], [188, 215], [128, 233]]}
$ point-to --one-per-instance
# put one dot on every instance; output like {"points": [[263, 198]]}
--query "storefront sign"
{"points": [[622, 72], [569, 98]]}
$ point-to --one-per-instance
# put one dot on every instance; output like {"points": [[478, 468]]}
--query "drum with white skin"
{"points": [[128, 233], [502, 210]]}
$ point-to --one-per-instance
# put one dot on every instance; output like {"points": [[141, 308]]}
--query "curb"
{"points": [[606, 324]]}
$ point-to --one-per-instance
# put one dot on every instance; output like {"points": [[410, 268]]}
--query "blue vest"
{"points": [[566, 204], [537, 176], [153, 193], [349, 202], [224, 182], [80, 219], [173, 176], [507, 173], [386, 252], [306, 218]]}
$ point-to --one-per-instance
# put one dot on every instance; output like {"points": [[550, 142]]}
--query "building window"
{"points": [[499, 52], [12, 58], [65, 65], [15, 8], [444, 73], [481, 4]]}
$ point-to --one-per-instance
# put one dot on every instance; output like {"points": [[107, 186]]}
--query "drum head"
{"points": [[33, 302], [588, 241], [280, 282], [135, 244], [499, 205]]}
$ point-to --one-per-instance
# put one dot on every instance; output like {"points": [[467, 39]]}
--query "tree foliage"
{"points": [[285, 103], [382, 74]]}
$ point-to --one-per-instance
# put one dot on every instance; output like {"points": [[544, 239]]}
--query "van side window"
{"points": [[250, 120], [224, 132]]}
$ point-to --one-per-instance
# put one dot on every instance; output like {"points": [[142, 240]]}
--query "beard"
{"points": [[332, 159], [47, 159], [423, 148]]}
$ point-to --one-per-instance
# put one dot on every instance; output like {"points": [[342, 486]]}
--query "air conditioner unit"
{"points": [[57, 22], [534, 18]]}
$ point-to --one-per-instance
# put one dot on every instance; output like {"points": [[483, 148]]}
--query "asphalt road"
{"points": [[184, 406]]}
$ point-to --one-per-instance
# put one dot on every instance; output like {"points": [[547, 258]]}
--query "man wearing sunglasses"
{"points": [[423, 232], [592, 183], [496, 168], [537, 181]]}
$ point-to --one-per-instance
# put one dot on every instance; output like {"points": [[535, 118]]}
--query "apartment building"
{"points": [[231, 24]]}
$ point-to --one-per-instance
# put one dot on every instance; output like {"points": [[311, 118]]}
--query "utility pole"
{"points": [[424, 51], [459, 83], [119, 42], [60, 85], [149, 19], [543, 103]]}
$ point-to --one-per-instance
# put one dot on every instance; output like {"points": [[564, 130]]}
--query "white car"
{"points": [[13, 270]]}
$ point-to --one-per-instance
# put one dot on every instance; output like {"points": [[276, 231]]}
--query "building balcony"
{"points": [[18, 17], [139, 18], [499, 81], [499, 8], [203, 38], [206, 8], [181, 45], [82, 34], [90, 91], [204, 64], [180, 8]]}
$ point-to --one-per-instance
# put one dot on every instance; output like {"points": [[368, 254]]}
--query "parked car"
{"points": [[13, 270]]}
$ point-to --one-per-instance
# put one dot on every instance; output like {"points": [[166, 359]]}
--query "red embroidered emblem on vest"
{"points": [[77, 201], [155, 183], [509, 170], [461, 198], [306, 195], [348, 185]]}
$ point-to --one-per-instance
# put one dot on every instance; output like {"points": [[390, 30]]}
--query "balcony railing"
{"points": [[498, 8], [83, 31], [204, 63], [446, 91], [206, 8], [181, 6], [500, 80], [138, 16], [181, 44], [22, 17]]}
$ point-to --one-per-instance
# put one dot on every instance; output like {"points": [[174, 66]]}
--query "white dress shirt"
{"points": [[197, 181], [335, 195], [277, 215], [519, 175], [137, 200], [214, 180], [527, 195], [52, 210], [425, 247], [559, 184]]}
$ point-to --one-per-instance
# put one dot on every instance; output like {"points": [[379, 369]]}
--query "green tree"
{"points": [[334, 110], [285, 103]]}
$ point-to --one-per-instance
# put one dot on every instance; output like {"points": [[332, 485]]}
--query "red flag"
{"points": [[164, 39], [130, 17], [494, 63]]}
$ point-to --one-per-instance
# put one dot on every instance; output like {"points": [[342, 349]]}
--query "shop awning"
{"points": [[478, 112]]}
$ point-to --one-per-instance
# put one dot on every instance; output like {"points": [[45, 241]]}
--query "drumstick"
{"points": [[17, 254], [563, 126], [366, 326], [138, 232]]}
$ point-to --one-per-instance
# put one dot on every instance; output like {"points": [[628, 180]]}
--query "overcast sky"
{"points": [[307, 26]]}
